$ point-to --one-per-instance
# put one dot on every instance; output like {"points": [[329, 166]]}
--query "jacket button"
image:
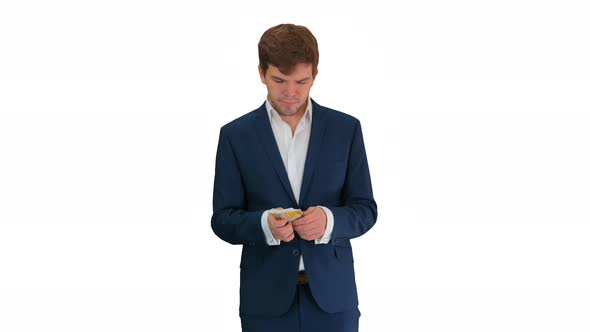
{"points": [[295, 252]]}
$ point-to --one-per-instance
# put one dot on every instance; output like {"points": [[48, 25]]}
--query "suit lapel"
{"points": [[318, 128], [269, 144]]}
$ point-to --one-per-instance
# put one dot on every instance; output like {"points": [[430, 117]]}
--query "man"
{"points": [[293, 153]]}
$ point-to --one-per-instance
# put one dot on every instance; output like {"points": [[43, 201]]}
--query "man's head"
{"points": [[286, 45], [288, 65]]}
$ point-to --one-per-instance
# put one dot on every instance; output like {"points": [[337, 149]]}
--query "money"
{"points": [[290, 214]]}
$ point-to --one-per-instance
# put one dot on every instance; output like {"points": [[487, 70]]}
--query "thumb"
{"points": [[308, 211]]}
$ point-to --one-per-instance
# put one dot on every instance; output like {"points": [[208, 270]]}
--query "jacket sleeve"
{"points": [[359, 210], [231, 221]]}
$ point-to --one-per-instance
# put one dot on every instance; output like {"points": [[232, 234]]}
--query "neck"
{"points": [[294, 119]]}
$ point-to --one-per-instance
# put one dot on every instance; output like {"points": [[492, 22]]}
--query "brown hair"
{"points": [[287, 45]]}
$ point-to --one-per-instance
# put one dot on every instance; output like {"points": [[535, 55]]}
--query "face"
{"points": [[288, 93]]}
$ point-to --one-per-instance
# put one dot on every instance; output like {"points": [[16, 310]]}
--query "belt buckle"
{"points": [[302, 278]]}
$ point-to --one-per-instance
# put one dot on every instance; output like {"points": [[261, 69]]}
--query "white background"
{"points": [[476, 119]]}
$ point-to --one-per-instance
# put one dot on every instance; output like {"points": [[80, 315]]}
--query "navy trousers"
{"points": [[304, 316]]}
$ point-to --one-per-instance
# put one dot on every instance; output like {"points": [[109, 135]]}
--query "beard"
{"points": [[289, 110]]}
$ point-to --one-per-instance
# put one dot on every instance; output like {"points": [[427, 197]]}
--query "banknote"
{"points": [[290, 214]]}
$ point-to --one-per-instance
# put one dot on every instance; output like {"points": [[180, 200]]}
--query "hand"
{"points": [[281, 229], [312, 225]]}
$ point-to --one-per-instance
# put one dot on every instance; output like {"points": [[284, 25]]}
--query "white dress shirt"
{"points": [[293, 149]]}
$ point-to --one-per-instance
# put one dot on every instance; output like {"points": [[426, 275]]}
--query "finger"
{"points": [[306, 227], [286, 231], [288, 236], [284, 235], [314, 235], [314, 214], [308, 231], [278, 223], [310, 236], [300, 228], [287, 227], [272, 217], [302, 221], [291, 237], [308, 211], [283, 231]]}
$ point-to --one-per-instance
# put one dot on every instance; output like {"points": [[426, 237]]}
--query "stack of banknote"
{"points": [[290, 214]]}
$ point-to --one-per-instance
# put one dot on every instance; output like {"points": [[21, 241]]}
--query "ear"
{"points": [[262, 79]]}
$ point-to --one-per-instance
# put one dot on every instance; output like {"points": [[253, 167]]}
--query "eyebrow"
{"points": [[282, 79]]}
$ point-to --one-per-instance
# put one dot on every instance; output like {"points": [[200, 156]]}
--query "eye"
{"points": [[278, 80], [302, 82]]}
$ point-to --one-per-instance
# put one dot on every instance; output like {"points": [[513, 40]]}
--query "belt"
{"points": [[302, 278]]}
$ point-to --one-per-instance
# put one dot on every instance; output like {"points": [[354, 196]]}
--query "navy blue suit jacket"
{"points": [[250, 178]]}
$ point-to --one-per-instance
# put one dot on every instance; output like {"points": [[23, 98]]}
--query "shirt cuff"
{"points": [[329, 227], [270, 240]]}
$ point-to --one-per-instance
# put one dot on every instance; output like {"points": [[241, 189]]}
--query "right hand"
{"points": [[281, 229]]}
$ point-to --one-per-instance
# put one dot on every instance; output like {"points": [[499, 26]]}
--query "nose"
{"points": [[290, 90]]}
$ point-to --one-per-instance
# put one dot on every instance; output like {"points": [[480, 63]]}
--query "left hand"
{"points": [[312, 225]]}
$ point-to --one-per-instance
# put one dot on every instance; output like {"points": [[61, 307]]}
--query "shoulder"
{"points": [[244, 122], [333, 116]]}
